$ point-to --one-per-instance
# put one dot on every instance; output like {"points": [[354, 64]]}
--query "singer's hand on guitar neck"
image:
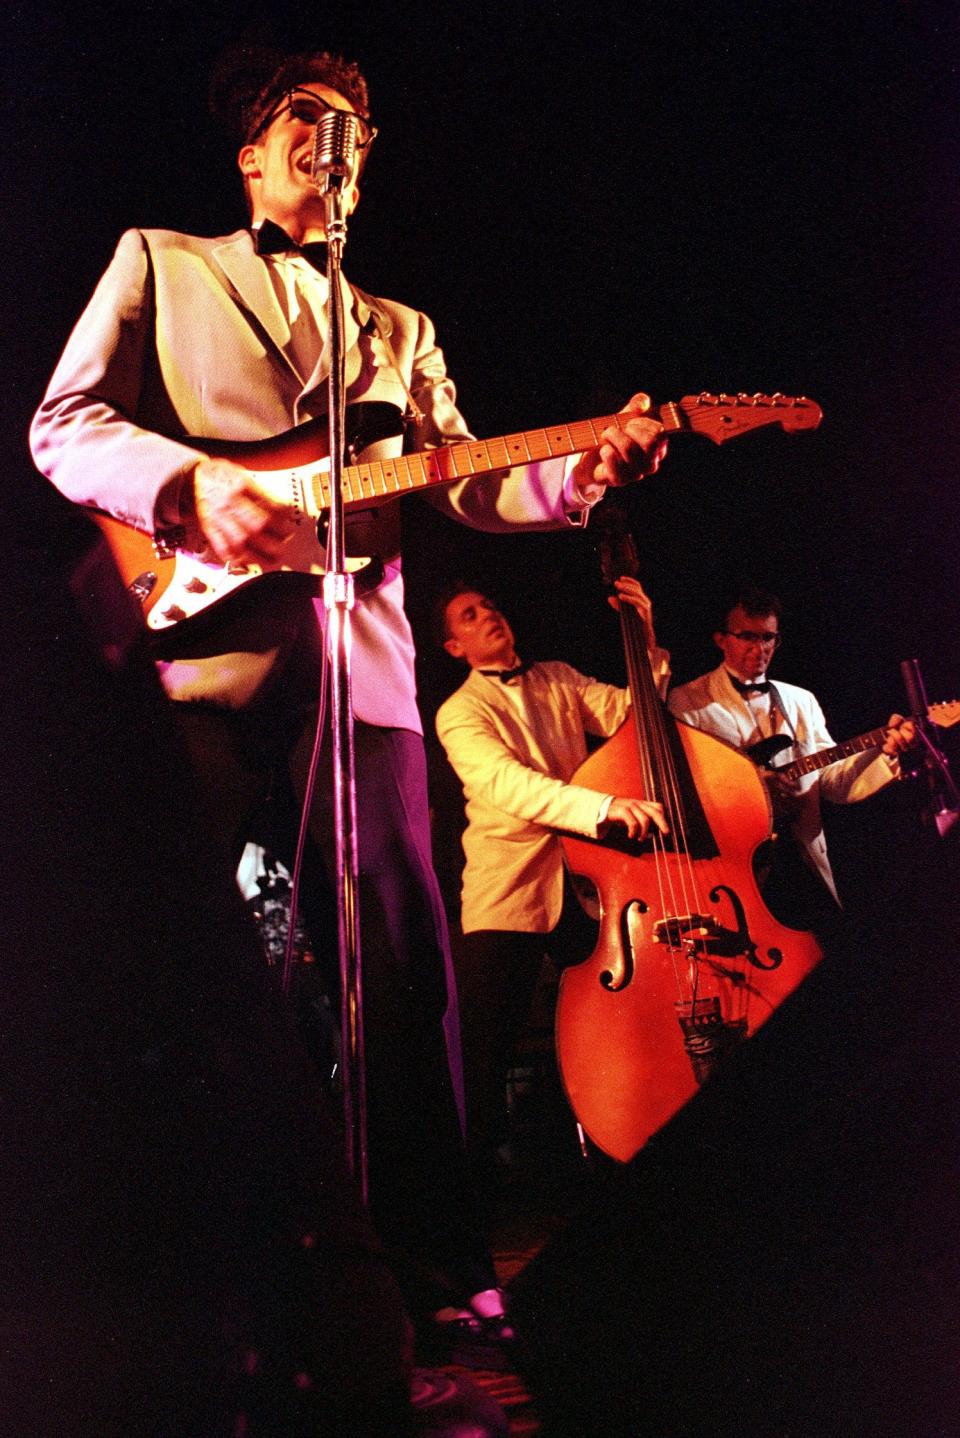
{"points": [[238, 523], [627, 451]]}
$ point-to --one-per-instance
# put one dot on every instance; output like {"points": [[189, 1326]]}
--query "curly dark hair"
{"points": [[248, 80]]}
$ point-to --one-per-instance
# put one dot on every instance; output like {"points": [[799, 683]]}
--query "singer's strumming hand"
{"points": [[237, 521]]}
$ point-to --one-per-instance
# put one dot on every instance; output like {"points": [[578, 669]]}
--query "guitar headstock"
{"points": [[725, 416], [945, 715]]}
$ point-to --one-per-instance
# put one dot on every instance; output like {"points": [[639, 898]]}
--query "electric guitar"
{"points": [[943, 715], [293, 469]]}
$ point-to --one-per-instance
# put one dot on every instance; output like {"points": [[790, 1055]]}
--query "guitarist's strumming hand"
{"points": [[785, 796], [627, 451], [236, 520]]}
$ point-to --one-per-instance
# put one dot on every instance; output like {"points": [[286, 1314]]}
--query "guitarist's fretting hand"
{"points": [[901, 736], [237, 521], [785, 794], [785, 797], [627, 452]]}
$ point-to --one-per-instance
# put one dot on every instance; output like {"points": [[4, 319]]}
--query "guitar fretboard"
{"points": [[384, 479], [811, 762]]}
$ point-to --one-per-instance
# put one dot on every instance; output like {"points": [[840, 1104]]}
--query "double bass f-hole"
{"points": [[621, 972]]}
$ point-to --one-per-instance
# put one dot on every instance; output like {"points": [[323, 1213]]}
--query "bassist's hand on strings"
{"points": [[631, 591], [237, 521], [636, 816]]}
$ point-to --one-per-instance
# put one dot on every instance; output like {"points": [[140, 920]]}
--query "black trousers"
{"points": [[420, 1197], [497, 975], [173, 1198]]}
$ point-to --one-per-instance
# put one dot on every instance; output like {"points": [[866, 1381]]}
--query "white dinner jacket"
{"points": [[185, 336], [514, 756], [711, 703]]}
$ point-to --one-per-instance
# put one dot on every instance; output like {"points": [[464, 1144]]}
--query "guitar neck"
{"points": [[719, 417], [809, 763], [944, 715], [297, 457], [385, 479]]}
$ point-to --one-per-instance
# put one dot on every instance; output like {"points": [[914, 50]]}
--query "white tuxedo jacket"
{"points": [[185, 337], [514, 756], [711, 703]]}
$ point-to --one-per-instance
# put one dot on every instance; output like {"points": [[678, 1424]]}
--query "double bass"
{"points": [[689, 960]]}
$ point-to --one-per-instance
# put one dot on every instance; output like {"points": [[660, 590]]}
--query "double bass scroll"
{"points": [[689, 961]]}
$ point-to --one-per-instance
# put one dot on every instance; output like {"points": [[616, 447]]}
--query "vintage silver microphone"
{"points": [[334, 149]]}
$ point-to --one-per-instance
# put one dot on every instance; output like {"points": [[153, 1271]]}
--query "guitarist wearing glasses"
{"points": [[739, 703]]}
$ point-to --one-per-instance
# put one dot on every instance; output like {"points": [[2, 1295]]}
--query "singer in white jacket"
{"points": [[225, 339]]}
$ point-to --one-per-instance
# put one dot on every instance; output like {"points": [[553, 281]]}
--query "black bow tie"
{"points": [[762, 687], [506, 674], [271, 240]]}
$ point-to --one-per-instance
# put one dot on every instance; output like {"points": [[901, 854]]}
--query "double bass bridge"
{"points": [[704, 936]]}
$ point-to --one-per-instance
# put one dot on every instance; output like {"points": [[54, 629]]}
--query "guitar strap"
{"points": [[416, 413], [776, 702], [792, 891]]}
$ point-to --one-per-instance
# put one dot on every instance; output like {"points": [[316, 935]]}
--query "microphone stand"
{"points": [[338, 597], [944, 807]]}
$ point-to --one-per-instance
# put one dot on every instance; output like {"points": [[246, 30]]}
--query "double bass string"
{"points": [[661, 782]]}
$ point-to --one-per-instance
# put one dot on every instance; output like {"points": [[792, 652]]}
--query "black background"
{"points": [[591, 199]]}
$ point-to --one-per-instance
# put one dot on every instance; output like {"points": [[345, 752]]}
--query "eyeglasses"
{"points": [[755, 636], [309, 108]]}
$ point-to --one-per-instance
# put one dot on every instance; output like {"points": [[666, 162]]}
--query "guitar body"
{"points": [[178, 588], [766, 750]]}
